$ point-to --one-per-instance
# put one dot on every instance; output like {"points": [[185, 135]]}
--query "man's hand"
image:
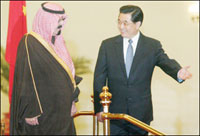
{"points": [[32, 121], [184, 74], [99, 116], [73, 109]]}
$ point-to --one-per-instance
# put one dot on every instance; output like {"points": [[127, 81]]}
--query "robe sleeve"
{"points": [[24, 103], [30, 105], [77, 90]]}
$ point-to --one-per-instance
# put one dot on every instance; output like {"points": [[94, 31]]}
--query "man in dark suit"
{"points": [[126, 63]]}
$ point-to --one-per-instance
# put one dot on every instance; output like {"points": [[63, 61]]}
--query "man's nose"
{"points": [[121, 26]]}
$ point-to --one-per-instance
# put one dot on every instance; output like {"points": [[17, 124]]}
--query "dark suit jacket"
{"points": [[130, 96]]}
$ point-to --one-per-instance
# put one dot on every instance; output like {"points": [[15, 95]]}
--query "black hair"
{"points": [[136, 12]]}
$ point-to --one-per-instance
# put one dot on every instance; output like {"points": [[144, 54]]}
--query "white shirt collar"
{"points": [[135, 38]]}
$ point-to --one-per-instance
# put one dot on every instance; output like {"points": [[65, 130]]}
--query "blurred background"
{"points": [[174, 23]]}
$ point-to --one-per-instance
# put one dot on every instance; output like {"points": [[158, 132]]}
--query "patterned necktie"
{"points": [[129, 57]]}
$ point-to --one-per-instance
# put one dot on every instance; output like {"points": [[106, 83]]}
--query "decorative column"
{"points": [[105, 101]]}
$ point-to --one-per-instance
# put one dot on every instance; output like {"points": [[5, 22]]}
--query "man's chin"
{"points": [[124, 35]]}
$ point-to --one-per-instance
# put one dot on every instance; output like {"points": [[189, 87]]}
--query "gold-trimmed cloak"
{"points": [[55, 87]]}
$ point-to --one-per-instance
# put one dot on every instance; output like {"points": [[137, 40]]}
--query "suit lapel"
{"points": [[138, 55], [119, 51]]}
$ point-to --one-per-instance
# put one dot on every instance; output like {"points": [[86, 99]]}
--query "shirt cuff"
{"points": [[178, 79]]}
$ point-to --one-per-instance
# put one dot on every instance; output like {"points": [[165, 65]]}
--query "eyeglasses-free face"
{"points": [[127, 28]]}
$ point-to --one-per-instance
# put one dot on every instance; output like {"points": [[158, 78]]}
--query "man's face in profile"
{"points": [[59, 27]]}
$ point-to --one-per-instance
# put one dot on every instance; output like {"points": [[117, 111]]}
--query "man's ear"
{"points": [[138, 24]]}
